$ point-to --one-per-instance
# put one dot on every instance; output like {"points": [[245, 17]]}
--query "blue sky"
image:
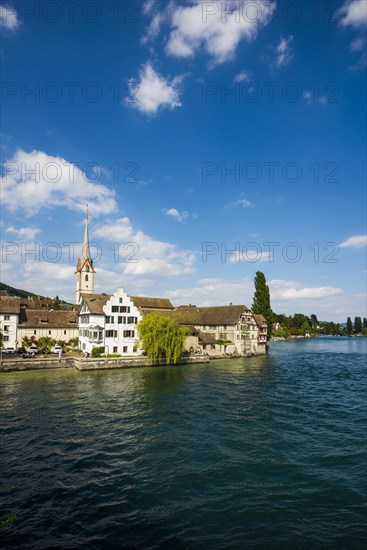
{"points": [[210, 140]]}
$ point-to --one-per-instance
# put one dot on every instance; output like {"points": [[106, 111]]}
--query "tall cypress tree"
{"points": [[261, 300], [349, 326], [364, 323], [357, 325]]}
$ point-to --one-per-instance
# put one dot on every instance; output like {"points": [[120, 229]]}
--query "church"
{"points": [[110, 321]]}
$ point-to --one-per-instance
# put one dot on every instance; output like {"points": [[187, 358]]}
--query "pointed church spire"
{"points": [[86, 250], [85, 269]]}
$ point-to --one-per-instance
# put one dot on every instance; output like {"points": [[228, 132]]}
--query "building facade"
{"points": [[108, 321], [9, 320]]}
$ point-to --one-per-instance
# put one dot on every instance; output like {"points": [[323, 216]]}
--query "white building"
{"points": [[240, 331], [60, 325], [109, 322], [9, 319]]}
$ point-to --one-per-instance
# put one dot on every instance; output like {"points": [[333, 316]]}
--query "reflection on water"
{"points": [[266, 452]]}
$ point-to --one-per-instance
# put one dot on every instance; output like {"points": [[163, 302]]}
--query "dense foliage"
{"points": [[161, 338], [300, 325], [261, 300]]}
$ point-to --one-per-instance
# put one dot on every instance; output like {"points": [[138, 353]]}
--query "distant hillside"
{"points": [[23, 293], [15, 291]]}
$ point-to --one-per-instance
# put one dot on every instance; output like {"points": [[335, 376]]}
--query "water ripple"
{"points": [[267, 452]]}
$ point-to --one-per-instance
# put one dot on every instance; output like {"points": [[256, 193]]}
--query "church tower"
{"points": [[84, 269]]}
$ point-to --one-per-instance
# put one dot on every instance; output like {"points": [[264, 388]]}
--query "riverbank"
{"points": [[84, 364]]}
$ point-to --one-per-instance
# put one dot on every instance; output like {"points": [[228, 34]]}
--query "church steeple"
{"points": [[85, 269]]}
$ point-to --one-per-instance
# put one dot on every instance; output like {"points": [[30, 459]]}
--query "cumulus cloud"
{"points": [[352, 13], [8, 18], [34, 181], [151, 91], [176, 214], [25, 233], [290, 290], [284, 52], [214, 292], [358, 241], [214, 27], [144, 254]]}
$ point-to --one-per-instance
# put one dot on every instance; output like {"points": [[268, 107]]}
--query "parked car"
{"points": [[33, 350], [21, 351], [56, 349], [9, 350]]}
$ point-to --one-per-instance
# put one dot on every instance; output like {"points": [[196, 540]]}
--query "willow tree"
{"points": [[161, 338]]}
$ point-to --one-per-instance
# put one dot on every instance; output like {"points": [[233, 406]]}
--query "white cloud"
{"points": [[34, 181], [242, 77], [152, 91], [154, 27], [353, 13], [358, 241], [284, 53], [147, 255], [176, 214], [8, 18], [290, 290], [214, 292], [25, 233], [244, 203], [215, 27]]}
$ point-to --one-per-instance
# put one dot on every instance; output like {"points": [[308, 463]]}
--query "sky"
{"points": [[210, 140]]}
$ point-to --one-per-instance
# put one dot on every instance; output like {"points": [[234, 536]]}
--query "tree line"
{"points": [[299, 324]]}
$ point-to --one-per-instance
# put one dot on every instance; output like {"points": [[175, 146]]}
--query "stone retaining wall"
{"points": [[91, 364]]}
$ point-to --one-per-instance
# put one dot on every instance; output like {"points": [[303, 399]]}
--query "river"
{"points": [[265, 452]]}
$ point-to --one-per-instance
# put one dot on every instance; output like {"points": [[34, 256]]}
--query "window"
{"points": [[129, 333], [110, 320], [6, 317], [115, 309], [6, 338], [124, 349], [132, 320], [114, 349], [86, 278], [49, 332], [120, 300], [119, 320], [124, 309], [111, 333], [64, 332], [6, 328], [34, 332]]}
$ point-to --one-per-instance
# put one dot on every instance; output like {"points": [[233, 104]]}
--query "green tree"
{"points": [[349, 326], [305, 328], [161, 337], [45, 343], [261, 300], [57, 303], [1, 339], [97, 352], [357, 325], [313, 320]]}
